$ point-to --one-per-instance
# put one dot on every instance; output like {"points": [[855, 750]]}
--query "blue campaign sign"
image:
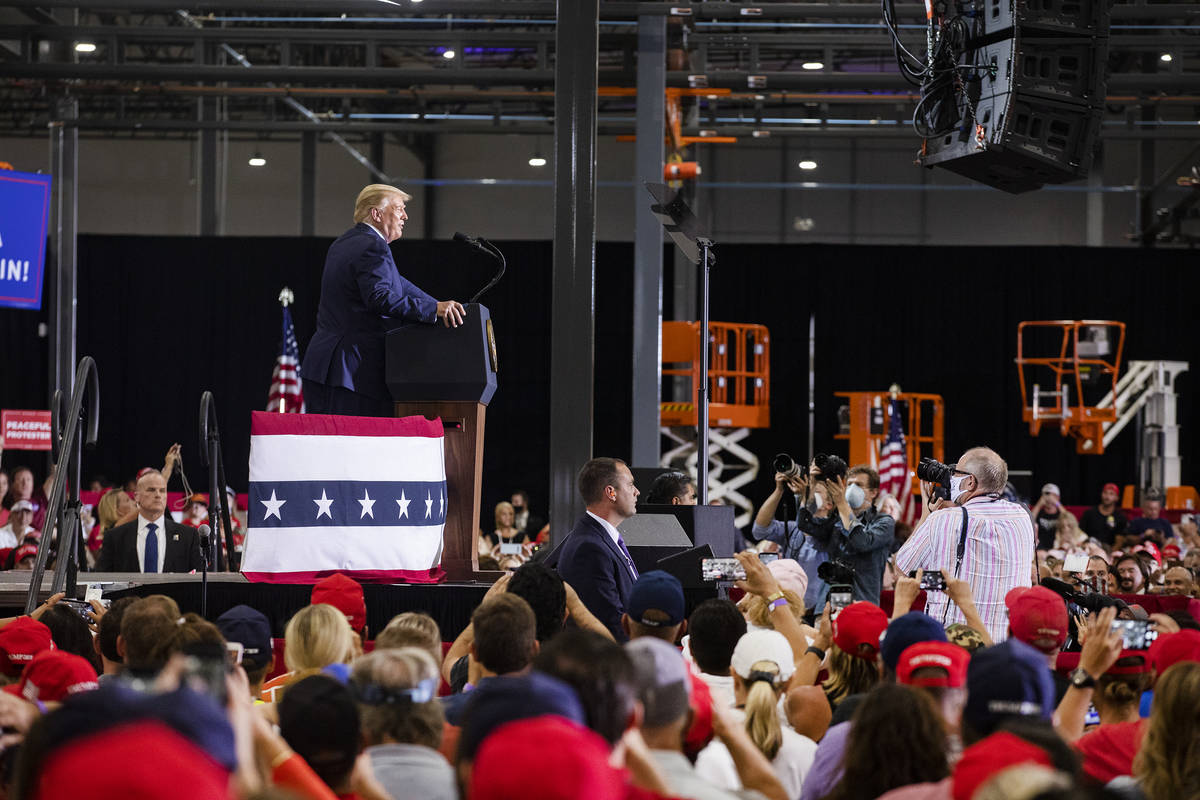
{"points": [[24, 211]]}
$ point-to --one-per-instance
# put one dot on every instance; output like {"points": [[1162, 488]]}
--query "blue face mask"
{"points": [[855, 496]]}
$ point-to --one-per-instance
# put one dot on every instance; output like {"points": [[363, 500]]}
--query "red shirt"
{"points": [[1108, 751]]}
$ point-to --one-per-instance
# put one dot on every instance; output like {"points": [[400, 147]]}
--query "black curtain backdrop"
{"points": [[166, 318]]}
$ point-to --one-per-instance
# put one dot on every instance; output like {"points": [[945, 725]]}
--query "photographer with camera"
{"points": [[859, 540], [789, 535], [973, 534]]}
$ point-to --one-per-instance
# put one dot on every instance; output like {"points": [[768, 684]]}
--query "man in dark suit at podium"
{"points": [[363, 296], [153, 542], [594, 558]]}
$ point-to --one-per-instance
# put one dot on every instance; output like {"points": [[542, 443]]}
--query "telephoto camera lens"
{"points": [[787, 466], [933, 471]]}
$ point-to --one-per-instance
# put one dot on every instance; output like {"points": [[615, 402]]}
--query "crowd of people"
{"points": [[978, 684]]}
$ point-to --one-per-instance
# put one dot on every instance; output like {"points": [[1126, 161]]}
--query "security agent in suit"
{"points": [[593, 558], [153, 542], [363, 296]]}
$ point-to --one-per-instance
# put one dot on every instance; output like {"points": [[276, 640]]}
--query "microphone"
{"points": [[459, 236], [204, 532]]}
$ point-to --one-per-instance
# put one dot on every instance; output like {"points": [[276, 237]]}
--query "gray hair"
{"points": [[987, 466]]}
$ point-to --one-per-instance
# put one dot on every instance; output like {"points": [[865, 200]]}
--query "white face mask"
{"points": [[956, 483], [855, 496]]}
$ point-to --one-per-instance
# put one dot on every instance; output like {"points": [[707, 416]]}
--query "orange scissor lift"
{"points": [[1093, 402], [1082, 361], [739, 378]]}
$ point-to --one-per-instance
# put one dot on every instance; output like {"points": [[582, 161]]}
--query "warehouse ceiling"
{"points": [[361, 67]]}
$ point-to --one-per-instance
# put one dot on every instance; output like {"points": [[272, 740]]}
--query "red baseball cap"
{"points": [[987, 757], [575, 767], [20, 641], [24, 551], [1111, 487], [53, 675], [114, 763], [1171, 551], [1151, 548], [858, 624], [1168, 650], [944, 655], [344, 594], [1038, 617]]}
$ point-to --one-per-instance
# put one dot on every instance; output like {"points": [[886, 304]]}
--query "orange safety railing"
{"points": [[739, 373], [1067, 402], [924, 420]]}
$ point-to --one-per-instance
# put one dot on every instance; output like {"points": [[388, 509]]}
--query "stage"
{"points": [[451, 604]]}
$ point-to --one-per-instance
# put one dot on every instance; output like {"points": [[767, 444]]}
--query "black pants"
{"points": [[322, 399]]}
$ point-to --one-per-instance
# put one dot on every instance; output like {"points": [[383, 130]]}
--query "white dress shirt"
{"points": [[160, 533], [372, 227]]}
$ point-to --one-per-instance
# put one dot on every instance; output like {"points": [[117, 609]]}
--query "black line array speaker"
{"points": [[1030, 110]]}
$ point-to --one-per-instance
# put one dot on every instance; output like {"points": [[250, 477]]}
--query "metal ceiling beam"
{"points": [[323, 35], [159, 127], [869, 38], [609, 10], [402, 77]]}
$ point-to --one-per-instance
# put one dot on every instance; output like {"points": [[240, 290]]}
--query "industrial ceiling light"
{"points": [[448, 54], [813, 65], [806, 165], [537, 161], [1166, 57], [85, 47], [257, 160]]}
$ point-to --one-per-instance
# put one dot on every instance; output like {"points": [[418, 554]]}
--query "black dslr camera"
{"points": [[835, 571], [830, 467], [938, 474]]}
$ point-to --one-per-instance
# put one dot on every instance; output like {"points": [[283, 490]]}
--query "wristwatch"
{"points": [[1080, 679]]}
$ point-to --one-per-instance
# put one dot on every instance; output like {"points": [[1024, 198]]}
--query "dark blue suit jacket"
{"points": [[592, 563], [363, 296]]}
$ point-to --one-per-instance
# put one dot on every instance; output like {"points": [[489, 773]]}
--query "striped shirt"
{"points": [[998, 557]]}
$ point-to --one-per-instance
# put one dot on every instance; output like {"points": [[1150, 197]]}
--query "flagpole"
{"points": [[285, 299]]}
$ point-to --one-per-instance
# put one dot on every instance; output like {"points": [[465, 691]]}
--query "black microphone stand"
{"points": [[210, 449], [205, 548]]}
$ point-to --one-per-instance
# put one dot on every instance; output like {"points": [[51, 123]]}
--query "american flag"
{"points": [[894, 476], [287, 391]]}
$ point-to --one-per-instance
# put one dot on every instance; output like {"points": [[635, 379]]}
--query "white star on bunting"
{"points": [[428, 505], [403, 502], [323, 506], [367, 506], [273, 505], [441, 504]]}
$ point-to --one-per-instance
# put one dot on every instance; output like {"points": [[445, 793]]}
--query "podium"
{"points": [[435, 371]]}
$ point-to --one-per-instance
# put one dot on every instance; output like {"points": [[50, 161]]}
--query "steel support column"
{"points": [[1095, 200], [648, 242], [308, 183], [574, 261], [64, 215], [210, 196]]}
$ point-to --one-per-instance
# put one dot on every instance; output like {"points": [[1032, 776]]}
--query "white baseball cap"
{"points": [[763, 645]]}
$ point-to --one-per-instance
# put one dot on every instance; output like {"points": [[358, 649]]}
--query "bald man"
{"points": [[153, 542], [990, 546]]}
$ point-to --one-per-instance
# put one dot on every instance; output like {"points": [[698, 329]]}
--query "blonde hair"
{"points": [[106, 509], [316, 637], [758, 613], [848, 674], [412, 629], [503, 505], [377, 195], [762, 719], [1167, 763]]}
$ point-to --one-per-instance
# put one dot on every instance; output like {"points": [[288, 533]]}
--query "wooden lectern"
{"points": [[435, 371]]}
